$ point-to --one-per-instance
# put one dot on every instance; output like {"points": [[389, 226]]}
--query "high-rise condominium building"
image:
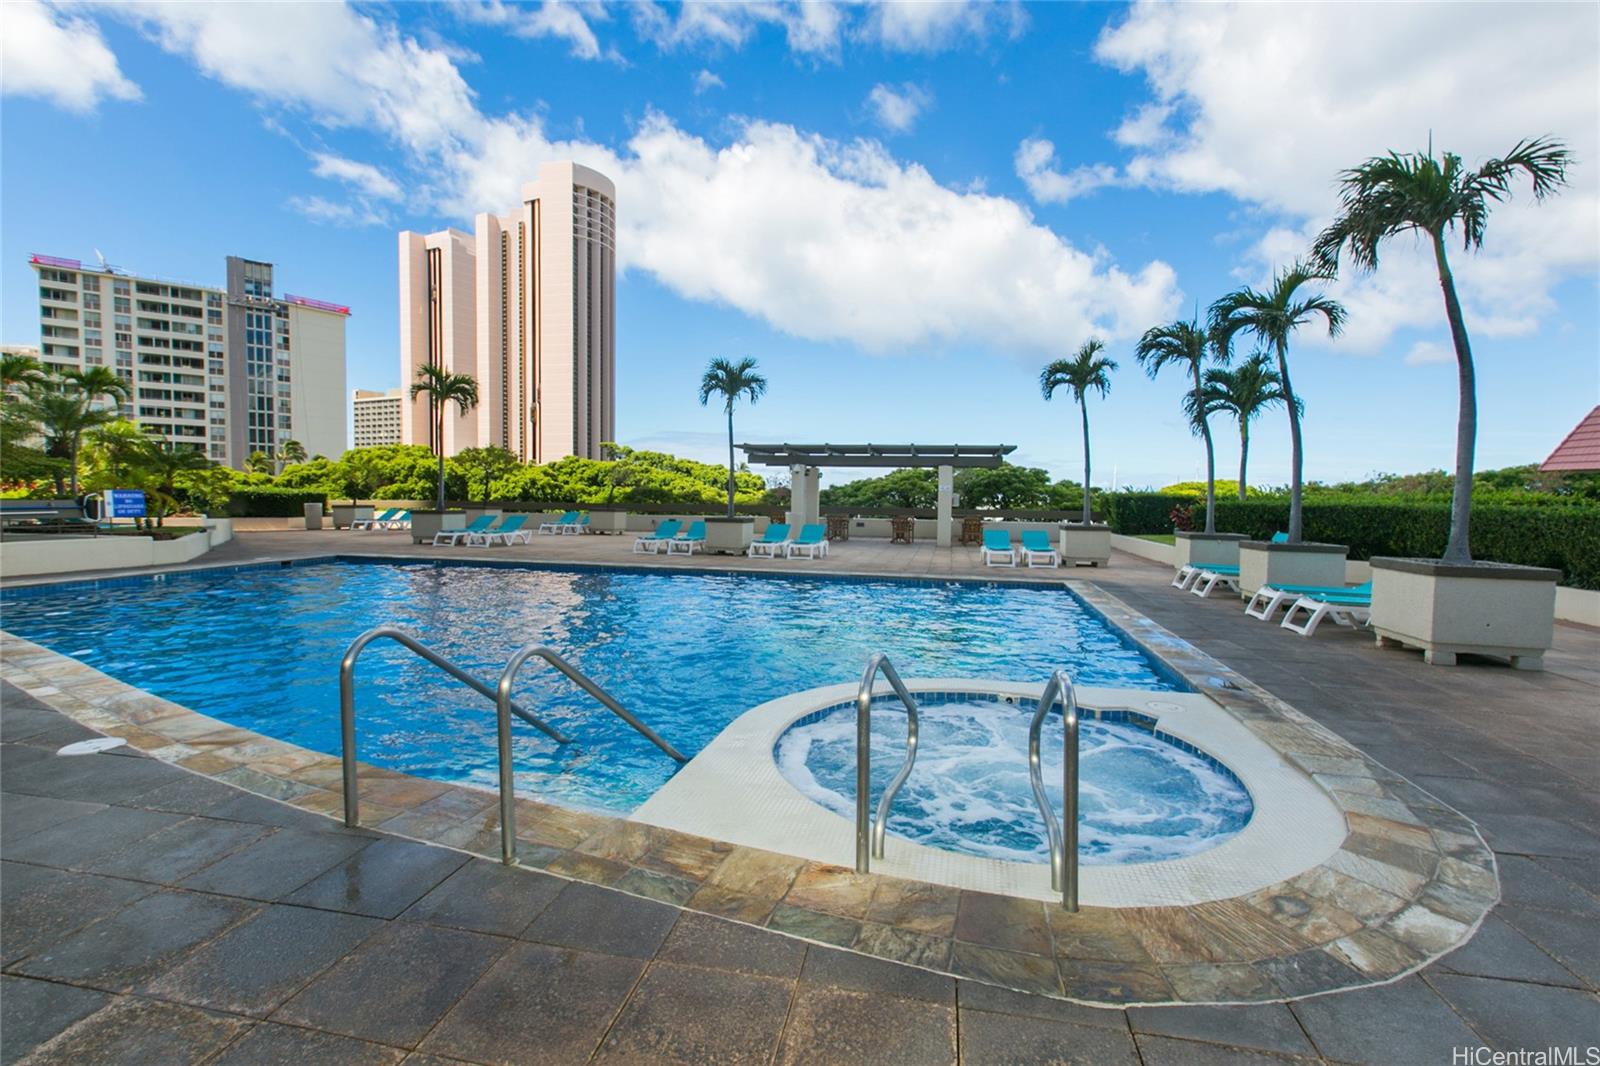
{"points": [[376, 417], [525, 304], [226, 371]]}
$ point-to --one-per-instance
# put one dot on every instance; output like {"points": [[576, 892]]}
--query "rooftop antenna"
{"points": [[98, 254]]}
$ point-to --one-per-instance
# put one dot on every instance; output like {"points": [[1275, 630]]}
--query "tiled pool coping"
{"points": [[1411, 880]]}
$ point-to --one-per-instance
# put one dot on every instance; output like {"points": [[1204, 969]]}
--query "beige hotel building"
{"points": [[526, 305]]}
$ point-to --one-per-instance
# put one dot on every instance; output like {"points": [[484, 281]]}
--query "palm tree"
{"points": [[162, 463], [1398, 193], [19, 371], [260, 463], [731, 380], [63, 415], [1185, 344], [443, 388], [1085, 371], [292, 451], [118, 448], [1273, 316], [96, 382], [1244, 392]]}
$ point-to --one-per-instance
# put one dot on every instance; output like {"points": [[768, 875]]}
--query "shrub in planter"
{"points": [[272, 502]]}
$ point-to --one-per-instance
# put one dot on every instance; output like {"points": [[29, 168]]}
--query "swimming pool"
{"points": [[688, 652]]}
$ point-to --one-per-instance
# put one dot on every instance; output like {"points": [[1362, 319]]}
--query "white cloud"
{"points": [[364, 177], [48, 53], [812, 28], [1426, 353], [897, 108], [705, 81], [1270, 102], [938, 26], [319, 209], [1035, 161], [561, 19]]}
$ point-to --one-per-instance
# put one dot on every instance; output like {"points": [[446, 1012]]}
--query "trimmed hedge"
{"points": [[272, 502], [1133, 513]]}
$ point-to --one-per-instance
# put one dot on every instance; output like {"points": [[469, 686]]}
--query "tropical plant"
{"points": [[1086, 371], [731, 380], [63, 412], [1244, 392], [1415, 192], [99, 382], [163, 464], [260, 463], [114, 452], [19, 371], [1272, 317], [291, 451], [481, 466], [1186, 345], [442, 389]]}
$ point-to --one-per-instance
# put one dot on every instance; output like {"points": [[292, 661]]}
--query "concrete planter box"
{"points": [[1206, 549], [1265, 563], [26, 556], [345, 513], [1449, 608], [424, 524], [475, 512], [313, 513], [608, 521], [1085, 544], [730, 536]]}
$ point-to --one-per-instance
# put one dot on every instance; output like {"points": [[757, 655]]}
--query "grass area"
{"points": [[1159, 538]]}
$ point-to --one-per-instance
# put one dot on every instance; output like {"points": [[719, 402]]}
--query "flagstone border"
{"points": [[1412, 880]]}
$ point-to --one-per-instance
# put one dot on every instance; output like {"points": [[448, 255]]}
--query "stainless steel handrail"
{"points": [[869, 836], [502, 696], [347, 705], [1063, 845]]}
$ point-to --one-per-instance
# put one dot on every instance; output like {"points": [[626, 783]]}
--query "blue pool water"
{"points": [[1141, 799], [259, 647]]}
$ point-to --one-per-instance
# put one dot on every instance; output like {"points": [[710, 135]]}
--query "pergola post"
{"points": [[813, 494], [946, 494], [798, 505]]}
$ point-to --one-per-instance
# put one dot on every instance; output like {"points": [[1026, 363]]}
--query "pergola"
{"points": [[803, 461]]}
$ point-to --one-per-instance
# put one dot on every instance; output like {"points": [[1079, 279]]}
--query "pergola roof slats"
{"points": [[895, 455]]}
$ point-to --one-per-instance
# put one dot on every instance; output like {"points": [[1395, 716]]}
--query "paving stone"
{"points": [[262, 811], [1010, 1040], [1525, 882], [255, 966], [1498, 950], [42, 906], [1569, 937], [591, 918], [829, 1024], [274, 866], [1531, 834], [487, 897], [134, 1030], [899, 945], [1114, 982], [837, 890], [915, 906], [81, 842], [172, 854], [700, 940], [1219, 982], [537, 1005], [1169, 1051], [380, 880], [1511, 1015], [973, 996], [1309, 972], [32, 1012], [134, 944], [397, 985], [1401, 1022], [861, 973], [285, 1045], [188, 793], [684, 1014], [663, 888], [109, 778], [1004, 922], [1268, 1027], [22, 814], [813, 925]]}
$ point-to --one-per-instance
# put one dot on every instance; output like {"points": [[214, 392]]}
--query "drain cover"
{"points": [[1163, 706], [89, 747]]}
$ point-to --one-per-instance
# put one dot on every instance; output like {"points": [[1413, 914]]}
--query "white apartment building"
{"points": [[526, 305], [376, 417], [228, 371]]}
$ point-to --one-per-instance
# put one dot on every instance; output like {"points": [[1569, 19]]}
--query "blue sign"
{"points": [[124, 503]]}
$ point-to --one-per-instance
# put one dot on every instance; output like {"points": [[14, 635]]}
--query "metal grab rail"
{"points": [[347, 704], [874, 832], [1063, 846]]}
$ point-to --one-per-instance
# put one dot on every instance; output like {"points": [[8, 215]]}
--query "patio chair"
{"points": [[811, 541], [997, 549], [376, 521], [399, 521], [452, 537], [1268, 598], [1037, 549], [690, 539], [1188, 573], [1210, 576], [1347, 609], [651, 542], [508, 532], [554, 527], [578, 523], [775, 539]]}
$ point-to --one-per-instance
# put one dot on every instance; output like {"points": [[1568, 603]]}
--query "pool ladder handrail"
{"points": [[1063, 843], [870, 835]]}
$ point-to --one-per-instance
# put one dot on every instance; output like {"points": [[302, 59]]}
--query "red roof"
{"points": [[1581, 449]]}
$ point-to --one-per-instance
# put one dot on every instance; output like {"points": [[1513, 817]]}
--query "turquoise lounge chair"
{"points": [[1351, 609], [375, 522], [775, 539], [1268, 598], [652, 542], [456, 536], [1037, 549], [810, 542], [508, 532], [566, 519], [690, 539], [997, 549]]}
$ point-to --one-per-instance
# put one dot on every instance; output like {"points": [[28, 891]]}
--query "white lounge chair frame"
{"points": [[1052, 558], [991, 554], [496, 537], [1350, 615], [1185, 576], [686, 544], [1267, 601], [769, 548], [793, 548], [1206, 580]]}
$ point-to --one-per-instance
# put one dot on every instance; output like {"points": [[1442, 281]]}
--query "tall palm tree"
{"points": [[731, 380], [18, 371], [1244, 392], [1272, 317], [96, 382], [291, 451], [63, 414], [162, 463], [117, 449], [1087, 370], [442, 389], [1186, 345], [1398, 193]]}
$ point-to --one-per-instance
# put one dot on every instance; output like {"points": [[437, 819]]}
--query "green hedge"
{"points": [[272, 502], [1134, 513], [1563, 538]]}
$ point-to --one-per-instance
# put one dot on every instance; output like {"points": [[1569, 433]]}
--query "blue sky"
{"points": [[902, 211]]}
